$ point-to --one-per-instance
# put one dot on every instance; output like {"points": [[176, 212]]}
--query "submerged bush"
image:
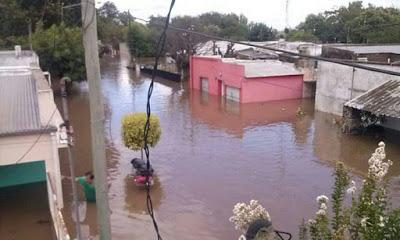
{"points": [[133, 131]]}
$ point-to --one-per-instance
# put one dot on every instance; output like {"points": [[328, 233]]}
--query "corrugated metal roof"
{"points": [[265, 68], [383, 100], [19, 111], [371, 49]]}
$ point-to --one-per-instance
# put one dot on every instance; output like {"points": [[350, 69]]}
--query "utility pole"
{"points": [[90, 42], [71, 160], [62, 12], [30, 34]]}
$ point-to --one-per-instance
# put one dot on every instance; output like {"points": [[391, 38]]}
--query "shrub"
{"points": [[369, 216], [133, 131]]}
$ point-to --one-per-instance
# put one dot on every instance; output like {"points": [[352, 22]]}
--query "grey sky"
{"points": [[271, 12]]}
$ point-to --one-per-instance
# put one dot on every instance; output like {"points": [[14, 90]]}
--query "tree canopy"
{"points": [[352, 24]]}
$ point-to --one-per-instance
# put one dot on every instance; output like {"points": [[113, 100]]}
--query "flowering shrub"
{"points": [[244, 215], [368, 217]]}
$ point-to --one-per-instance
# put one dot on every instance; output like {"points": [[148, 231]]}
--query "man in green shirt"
{"points": [[88, 186]]}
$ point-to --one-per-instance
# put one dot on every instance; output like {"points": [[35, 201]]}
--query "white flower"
{"points": [[321, 212], [323, 206], [244, 215], [352, 189], [242, 237], [322, 199], [381, 221], [311, 221], [378, 168], [364, 222]]}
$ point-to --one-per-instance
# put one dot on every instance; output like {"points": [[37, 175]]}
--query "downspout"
{"points": [[57, 171], [352, 84]]}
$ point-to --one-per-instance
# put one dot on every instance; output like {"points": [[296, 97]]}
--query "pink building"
{"points": [[245, 81]]}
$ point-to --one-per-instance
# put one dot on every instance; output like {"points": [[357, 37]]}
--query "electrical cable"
{"points": [[159, 50], [37, 139], [332, 60]]}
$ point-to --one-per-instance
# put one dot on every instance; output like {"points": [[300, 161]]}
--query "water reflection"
{"points": [[213, 154], [135, 197]]}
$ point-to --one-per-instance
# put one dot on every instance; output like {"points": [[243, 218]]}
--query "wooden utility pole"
{"points": [[90, 42]]}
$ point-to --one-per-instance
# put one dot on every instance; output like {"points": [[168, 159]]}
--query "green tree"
{"points": [[60, 51], [261, 32], [139, 41]]}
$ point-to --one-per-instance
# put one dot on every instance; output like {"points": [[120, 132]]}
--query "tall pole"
{"points": [[89, 30], [30, 34], [70, 158]]}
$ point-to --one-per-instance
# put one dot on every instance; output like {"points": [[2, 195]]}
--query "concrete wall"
{"points": [[337, 84], [392, 123]]}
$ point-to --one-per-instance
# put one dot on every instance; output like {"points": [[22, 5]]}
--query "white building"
{"points": [[30, 130]]}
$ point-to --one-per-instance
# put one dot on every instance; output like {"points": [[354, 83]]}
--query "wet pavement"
{"points": [[213, 154]]}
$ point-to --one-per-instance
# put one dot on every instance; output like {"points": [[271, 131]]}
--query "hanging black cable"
{"points": [[159, 51]]}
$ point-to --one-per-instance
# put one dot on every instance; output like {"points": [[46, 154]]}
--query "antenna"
{"points": [[287, 14]]}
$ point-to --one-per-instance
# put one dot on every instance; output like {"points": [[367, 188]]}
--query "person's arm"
{"points": [[80, 180]]}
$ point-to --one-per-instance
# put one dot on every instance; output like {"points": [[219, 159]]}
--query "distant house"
{"points": [[246, 81], [370, 53], [30, 134]]}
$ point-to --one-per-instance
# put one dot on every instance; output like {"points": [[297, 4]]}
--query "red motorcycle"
{"points": [[140, 172]]}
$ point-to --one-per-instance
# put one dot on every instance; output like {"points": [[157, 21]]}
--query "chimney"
{"points": [[17, 51]]}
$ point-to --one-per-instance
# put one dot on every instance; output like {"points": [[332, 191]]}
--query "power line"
{"points": [[37, 139], [374, 69], [159, 50]]}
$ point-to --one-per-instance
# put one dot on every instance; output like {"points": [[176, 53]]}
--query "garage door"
{"points": [[233, 93], [204, 84]]}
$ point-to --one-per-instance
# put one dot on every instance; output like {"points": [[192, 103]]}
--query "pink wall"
{"points": [[260, 89], [272, 88], [214, 69]]}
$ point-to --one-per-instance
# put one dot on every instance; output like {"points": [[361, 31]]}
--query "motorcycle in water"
{"points": [[141, 173]]}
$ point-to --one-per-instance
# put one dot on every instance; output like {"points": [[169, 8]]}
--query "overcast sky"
{"points": [[271, 12]]}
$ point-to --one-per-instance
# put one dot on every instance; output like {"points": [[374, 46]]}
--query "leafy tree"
{"points": [[133, 131], [60, 50], [261, 32], [139, 40], [301, 35], [353, 24]]}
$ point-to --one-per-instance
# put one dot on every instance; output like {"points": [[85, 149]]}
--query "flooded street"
{"points": [[213, 154]]}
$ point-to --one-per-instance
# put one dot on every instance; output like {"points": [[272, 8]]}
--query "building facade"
{"points": [[30, 133], [245, 81]]}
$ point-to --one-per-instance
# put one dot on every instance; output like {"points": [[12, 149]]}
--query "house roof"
{"points": [[383, 100], [19, 111], [26, 60], [360, 49], [267, 68]]}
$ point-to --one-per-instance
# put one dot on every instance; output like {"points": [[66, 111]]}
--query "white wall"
{"points": [[13, 147], [336, 85]]}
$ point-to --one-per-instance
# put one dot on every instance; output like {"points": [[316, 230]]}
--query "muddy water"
{"points": [[211, 155]]}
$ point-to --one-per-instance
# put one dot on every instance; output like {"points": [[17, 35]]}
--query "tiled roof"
{"points": [[383, 100], [19, 111]]}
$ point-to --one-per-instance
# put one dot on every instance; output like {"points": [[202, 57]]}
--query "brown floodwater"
{"points": [[213, 154]]}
